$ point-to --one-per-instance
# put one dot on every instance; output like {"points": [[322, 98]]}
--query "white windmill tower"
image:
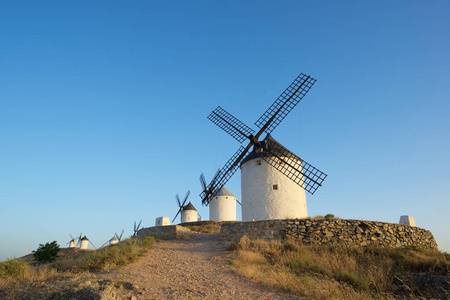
{"points": [[265, 193], [188, 212], [84, 243], [73, 242], [114, 240], [268, 193], [223, 203]]}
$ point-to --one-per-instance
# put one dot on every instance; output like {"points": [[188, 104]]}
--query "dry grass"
{"points": [[18, 272], [323, 272], [15, 272], [204, 227], [109, 257]]}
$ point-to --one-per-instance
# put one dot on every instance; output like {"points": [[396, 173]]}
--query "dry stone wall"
{"points": [[165, 232], [332, 232]]}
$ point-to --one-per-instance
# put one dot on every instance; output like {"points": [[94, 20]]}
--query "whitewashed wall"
{"points": [[261, 202], [222, 208], [188, 216]]}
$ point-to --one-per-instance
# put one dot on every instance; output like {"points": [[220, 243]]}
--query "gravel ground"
{"points": [[195, 267], [192, 268]]}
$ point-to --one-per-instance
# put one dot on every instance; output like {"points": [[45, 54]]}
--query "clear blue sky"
{"points": [[103, 108]]}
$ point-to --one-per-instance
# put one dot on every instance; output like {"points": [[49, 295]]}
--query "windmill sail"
{"points": [[230, 124], [225, 174], [286, 102], [302, 173], [292, 166]]}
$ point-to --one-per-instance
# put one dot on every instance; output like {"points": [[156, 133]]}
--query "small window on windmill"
{"points": [[275, 187], [258, 162]]}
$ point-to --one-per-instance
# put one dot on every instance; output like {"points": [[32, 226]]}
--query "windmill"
{"points": [[136, 228], [79, 240], [223, 203], [114, 240], [73, 242], [84, 243], [188, 211], [274, 155]]}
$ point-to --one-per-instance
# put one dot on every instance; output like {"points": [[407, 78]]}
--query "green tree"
{"points": [[47, 252]]}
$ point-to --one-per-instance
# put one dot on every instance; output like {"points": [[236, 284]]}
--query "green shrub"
{"points": [[47, 252], [13, 268], [354, 279], [329, 216], [117, 255]]}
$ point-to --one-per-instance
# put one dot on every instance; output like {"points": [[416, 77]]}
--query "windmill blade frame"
{"points": [[293, 167], [203, 182], [186, 197], [92, 244], [205, 191], [285, 102], [79, 240], [230, 124], [226, 172], [273, 116], [178, 200], [176, 215], [136, 228]]}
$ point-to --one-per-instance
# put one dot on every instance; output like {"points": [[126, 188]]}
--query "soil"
{"points": [[195, 267]]}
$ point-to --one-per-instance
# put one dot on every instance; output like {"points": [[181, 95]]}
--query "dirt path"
{"points": [[188, 269]]}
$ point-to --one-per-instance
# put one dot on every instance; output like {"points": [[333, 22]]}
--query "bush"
{"points": [[108, 257], [329, 216], [13, 268], [47, 252]]}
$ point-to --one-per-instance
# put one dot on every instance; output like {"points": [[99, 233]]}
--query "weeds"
{"points": [[16, 271], [322, 272], [109, 257], [15, 268]]}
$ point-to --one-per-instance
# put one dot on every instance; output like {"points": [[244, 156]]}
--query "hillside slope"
{"points": [[192, 268]]}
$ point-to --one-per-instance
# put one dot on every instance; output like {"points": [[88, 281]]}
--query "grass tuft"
{"points": [[15, 268], [336, 272], [109, 257], [15, 272]]}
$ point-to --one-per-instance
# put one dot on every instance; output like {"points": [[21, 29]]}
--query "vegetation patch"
{"points": [[14, 272], [109, 257], [323, 272], [46, 253], [204, 226]]}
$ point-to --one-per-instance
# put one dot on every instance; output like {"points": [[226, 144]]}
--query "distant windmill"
{"points": [[265, 195], [84, 243], [188, 211], [79, 240], [222, 206], [136, 228], [73, 242], [114, 240]]}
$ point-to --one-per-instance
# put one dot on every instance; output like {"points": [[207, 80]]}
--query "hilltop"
{"points": [[198, 266]]}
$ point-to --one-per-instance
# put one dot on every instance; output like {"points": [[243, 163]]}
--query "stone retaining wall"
{"points": [[165, 232], [333, 232]]}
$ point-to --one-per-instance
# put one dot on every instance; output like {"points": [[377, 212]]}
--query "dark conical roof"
{"points": [[189, 206], [268, 143], [85, 238]]}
